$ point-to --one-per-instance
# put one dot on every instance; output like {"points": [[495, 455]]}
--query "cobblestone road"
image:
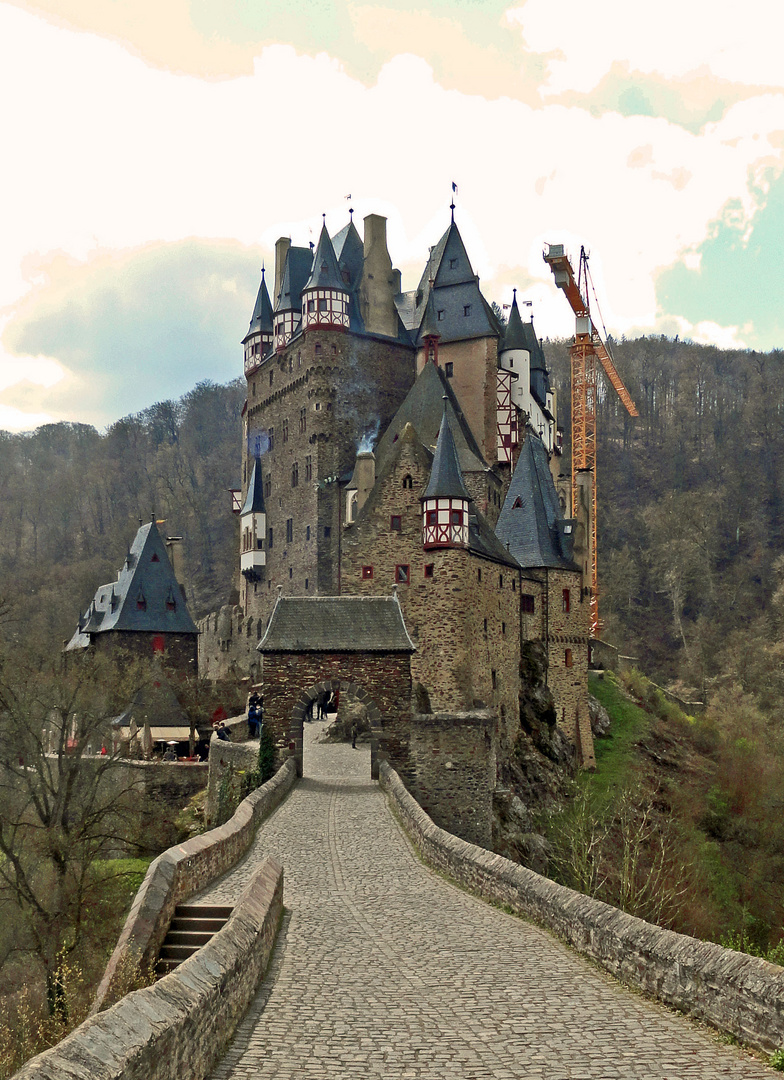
{"points": [[382, 969]]}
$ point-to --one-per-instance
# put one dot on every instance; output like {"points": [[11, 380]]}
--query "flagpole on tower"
{"points": [[452, 204]]}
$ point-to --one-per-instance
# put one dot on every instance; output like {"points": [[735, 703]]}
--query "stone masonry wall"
{"points": [[452, 771], [740, 994], [319, 396], [227, 644], [474, 378], [568, 656], [384, 677], [179, 1027], [240, 757], [179, 873]]}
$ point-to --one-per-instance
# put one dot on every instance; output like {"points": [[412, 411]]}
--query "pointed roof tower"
{"points": [[446, 479], [261, 319], [325, 272], [514, 335], [530, 523], [254, 500]]}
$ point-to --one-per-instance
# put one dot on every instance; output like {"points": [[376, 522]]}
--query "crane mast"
{"points": [[585, 355]]}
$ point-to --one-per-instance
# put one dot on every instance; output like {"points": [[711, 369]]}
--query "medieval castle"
{"points": [[406, 443]]}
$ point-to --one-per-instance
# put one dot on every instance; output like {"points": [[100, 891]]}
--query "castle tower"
{"points": [[445, 501], [287, 317], [258, 340], [253, 527], [325, 298]]}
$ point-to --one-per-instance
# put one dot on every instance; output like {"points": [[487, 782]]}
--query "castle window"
{"points": [[295, 474], [527, 604], [317, 348], [517, 504], [289, 530], [327, 532], [466, 310], [308, 467], [141, 603], [268, 485], [429, 570], [440, 315], [271, 375], [514, 585], [270, 539], [306, 584], [158, 644], [500, 581], [271, 438], [402, 574], [485, 627], [453, 264], [311, 305], [449, 369], [155, 557], [407, 480], [395, 523], [503, 629], [479, 575], [303, 419], [285, 431], [367, 573], [493, 678], [566, 601], [432, 517], [307, 532], [291, 573], [322, 305], [456, 517], [334, 349], [568, 658]]}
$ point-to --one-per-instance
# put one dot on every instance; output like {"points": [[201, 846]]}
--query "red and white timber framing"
{"points": [[445, 523], [506, 416]]}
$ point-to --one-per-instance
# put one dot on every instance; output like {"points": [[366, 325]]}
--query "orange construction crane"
{"points": [[587, 346]]}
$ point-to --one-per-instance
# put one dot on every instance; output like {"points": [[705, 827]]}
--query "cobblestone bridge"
{"points": [[383, 969]]}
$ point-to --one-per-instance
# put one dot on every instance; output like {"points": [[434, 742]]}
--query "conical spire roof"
{"points": [[429, 327], [254, 500], [261, 319], [514, 335], [446, 479], [325, 273]]}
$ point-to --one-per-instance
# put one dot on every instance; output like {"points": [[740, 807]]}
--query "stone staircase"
{"points": [[191, 927]]}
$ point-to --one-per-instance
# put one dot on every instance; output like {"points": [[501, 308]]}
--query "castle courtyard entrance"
{"points": [[355, 646]]}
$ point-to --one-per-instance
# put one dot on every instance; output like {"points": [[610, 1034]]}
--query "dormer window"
{"points": [[440, 315], [453, 264], [171, 603], [141, 603], [155, 557], [466, 310]]}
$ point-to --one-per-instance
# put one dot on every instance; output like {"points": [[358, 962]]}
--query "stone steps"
{"points": [[191, 927]]}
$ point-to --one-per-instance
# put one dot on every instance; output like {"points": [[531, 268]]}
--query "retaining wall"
{"points": [[179, 873], [241, 757], [736, 993], [179, 1027]]}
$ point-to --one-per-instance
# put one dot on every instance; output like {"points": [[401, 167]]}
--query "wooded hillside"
{"points": [[691, 511]]}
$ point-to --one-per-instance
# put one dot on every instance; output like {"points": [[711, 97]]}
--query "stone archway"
{"points": [[344, 686]]}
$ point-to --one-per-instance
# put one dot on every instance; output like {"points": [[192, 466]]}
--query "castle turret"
{"points": [[513, 383], [258, 340], [429, 331], [445, 501], [253, 527], [325, 298], [287, 317]]}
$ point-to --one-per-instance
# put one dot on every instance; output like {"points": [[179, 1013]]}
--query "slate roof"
{"points": [[261, 319], [350, 253], [336, 624], [145, 597], [325, 273], [514, 334], [530, 521], [254, 499], [296, 272], [446, 480], [423, 408]]}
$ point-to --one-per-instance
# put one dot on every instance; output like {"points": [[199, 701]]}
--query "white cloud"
{"points": [[671, 38], [105, 152]]}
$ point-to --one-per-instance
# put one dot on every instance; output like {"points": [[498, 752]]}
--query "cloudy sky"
{"points": [[153, 150]]}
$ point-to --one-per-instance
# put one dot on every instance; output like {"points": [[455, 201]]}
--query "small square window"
{"points": [[367, 573], [402, 574], [307, 532], [466, 310], [289, 530], [395, 523], [429, 570], [453, 264], [566, 602], [449, 369], [327, 532], [527, 604], [440, 315], [493, 678], [432, 517]]}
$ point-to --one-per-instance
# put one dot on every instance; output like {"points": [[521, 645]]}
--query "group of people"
{"points": [[255, 714], [325, 701]]}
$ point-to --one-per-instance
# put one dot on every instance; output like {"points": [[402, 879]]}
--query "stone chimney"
{"points": [[282, 246], [380, 282], [364, 477]]}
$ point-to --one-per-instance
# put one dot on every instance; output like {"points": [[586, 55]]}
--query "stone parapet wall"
{"points": [[739, 994], [179, 1027], [227, 644], [239, 757], [179, 873]]}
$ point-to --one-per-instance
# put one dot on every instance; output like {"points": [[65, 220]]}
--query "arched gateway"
{"points": [[357, 644]]}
